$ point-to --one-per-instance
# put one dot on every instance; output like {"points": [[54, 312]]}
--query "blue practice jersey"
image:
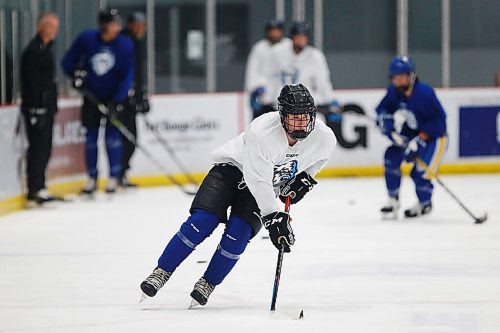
{"points": [[421, 112], [109, 65]]}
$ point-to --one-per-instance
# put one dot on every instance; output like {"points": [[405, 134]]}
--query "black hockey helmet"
{"points": [[295, 99], [107, 16], [300, 27], [274, 23], [136, 17]]}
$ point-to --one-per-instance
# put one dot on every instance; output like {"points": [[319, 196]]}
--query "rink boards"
{"points": [[193, 124]]}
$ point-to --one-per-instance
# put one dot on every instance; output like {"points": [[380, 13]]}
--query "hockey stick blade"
{"points": [[481, 219], [477, 220], [287, 314]]}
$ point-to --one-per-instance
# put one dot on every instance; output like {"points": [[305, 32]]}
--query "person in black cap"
{"points": [[39, 105], [137, 101], [257, 68]]}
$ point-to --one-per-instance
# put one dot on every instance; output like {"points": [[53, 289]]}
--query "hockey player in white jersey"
{"points": [[301, 62], [277, 157], [257, 67]]}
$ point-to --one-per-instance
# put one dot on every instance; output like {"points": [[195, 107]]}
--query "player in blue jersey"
{"points": [[412, 117], [101, 63]]}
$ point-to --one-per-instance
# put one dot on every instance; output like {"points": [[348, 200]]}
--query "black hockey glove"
{"points": [[297, 188], [142, 104], [280, 230], [79, 77], [114, 109]]}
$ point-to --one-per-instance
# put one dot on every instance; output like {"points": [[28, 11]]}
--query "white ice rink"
{"points": [[77, 267]]}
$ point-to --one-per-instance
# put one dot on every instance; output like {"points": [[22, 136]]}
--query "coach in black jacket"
{"points": [[39, 104]]}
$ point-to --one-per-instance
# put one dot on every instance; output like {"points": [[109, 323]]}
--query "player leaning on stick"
{"points": [[101, 63], [412, 117], [279, 155]]}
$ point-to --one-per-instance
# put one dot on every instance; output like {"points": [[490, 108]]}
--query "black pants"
{"points": [[40, 147], [225, 187], [128, 118]]}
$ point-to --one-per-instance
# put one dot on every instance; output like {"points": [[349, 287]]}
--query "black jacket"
{"points": [[139, 84], [38, 77]]}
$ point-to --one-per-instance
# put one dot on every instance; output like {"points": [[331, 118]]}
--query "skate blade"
{"points": [[40, 205], [193, 304], [88, 196], [32, 204], [143, 297], [389, 216]]}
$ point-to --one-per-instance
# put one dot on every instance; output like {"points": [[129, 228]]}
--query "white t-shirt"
{"points": [[267, 161], [256, 71], [308, 67]]}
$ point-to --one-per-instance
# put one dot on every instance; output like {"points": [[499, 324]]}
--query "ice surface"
{"points": [[77, 267]]}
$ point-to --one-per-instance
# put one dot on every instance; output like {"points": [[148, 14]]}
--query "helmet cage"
{"points": [[288, 121]]}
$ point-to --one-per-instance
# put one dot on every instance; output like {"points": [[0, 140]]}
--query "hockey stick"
{"points": [[357, 111], [279, 264], [170, 151], [126, 133], [477, 220]]}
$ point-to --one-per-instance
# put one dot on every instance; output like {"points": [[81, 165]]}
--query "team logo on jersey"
{"points": [[402, 117], [289, 75], [284, 172], [102, 62]]}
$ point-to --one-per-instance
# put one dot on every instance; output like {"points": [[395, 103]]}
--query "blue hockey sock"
{"points": [[392, 161], [195, 230], [423, 186], [91, 151], [233, 243], [114, 149]]}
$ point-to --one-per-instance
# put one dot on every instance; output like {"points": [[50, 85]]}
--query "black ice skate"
{"points": [[201, 292], [154, 282], [419, 209], [390, 209], [112, 185], [89, 188]]}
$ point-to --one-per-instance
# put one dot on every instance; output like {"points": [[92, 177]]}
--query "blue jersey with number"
{"points": [[109, 65], [421, 112]]}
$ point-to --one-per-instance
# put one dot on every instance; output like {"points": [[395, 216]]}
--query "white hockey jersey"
{"points": [[308, 67], [267, 161], [256, 70]]}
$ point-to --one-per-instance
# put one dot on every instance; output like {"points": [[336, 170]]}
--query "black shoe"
{"points": [[39, 198], [419, 209], [201, 292], [155, 281]]}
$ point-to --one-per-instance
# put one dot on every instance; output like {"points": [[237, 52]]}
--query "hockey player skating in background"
{"points": [[412, 117], [257, 68], [301, 62], [279, 155], [101, 63]]}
